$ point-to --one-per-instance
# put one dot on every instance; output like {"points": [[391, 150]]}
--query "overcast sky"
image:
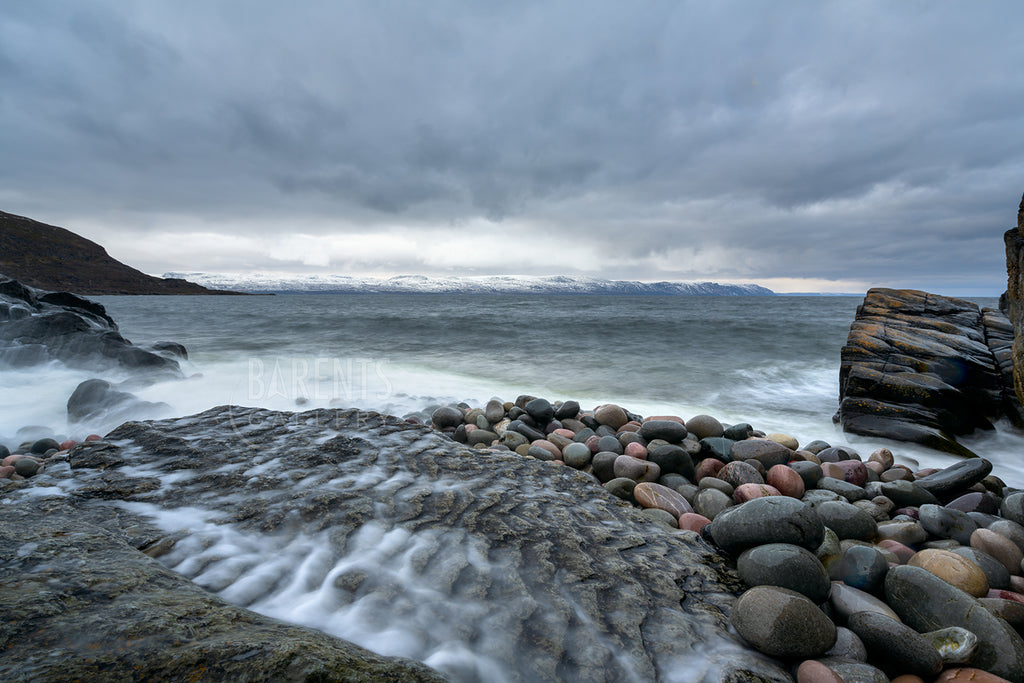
{"points": [[805, 146]]}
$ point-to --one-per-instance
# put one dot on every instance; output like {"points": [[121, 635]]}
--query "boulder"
{"points": [[37, 327], [1012, 302], [921, 367]]}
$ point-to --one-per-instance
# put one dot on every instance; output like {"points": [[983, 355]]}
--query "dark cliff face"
{"points": [[52, 258], [1014, 302]]}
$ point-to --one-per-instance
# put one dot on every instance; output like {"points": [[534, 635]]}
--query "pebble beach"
{"points": [[858, 568]]}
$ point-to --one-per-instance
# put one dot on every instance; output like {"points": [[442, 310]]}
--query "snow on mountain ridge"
{"points": [[472, 284]]}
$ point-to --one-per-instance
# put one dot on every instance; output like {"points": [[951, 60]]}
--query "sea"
{"points": [[770, 361]]}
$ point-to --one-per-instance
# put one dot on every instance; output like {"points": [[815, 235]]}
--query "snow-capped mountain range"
{"points": [[489, 284]]}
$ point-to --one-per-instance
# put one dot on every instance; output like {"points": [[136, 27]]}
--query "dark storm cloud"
{"points": [[851, 140]]}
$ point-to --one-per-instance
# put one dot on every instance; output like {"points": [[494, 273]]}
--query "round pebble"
{"points": [[782, 623], [653, 495], [953, 569], [786, 566]]}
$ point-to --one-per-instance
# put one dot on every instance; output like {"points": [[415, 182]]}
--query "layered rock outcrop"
{"points": [[925, 368], [1013, 300]]}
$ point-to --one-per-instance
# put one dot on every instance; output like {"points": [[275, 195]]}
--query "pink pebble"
{"points": [[548, 446], [637, 450], [592, 443], [1005, 595], [854, 472], [830, 469], [93, 437], [567, 433], [745, 492], [670, 418], [708, 467], [68, 445], [812, 671], [11, 459], [629, 427], [903, 552], [693, 521], [786, 480], [6, 471]]}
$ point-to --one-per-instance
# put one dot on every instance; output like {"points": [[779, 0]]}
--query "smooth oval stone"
{"points": [[836, 453], [708, 467], [635, 449], [768, 453], [669, 430], [711, 503], [813, 671], [494, 411], [847, 600], [661, 517], [612, 415], [883, 456], [1009, 529], [860, 567], [43, 445], [906, 532], [817, 446], [483, 436], [895, 647], [845, 489], [926, 603], [603, 464], [717, 484], [966, 674], [447, 416], [956, 477], [997, 575], [621, 487], [672, 458], [609, 443], [976, 501], [737, 472], [999, 547], [953, 569], [783, 440], [26, 467], [513, 440], [747, 492], [775, 519], [943, 522], [848, 521], [673, 481], [810, 472], [693, 521], [568, 410], [704, 426], [853, 471], [786, 480], [559, 440], [526, 430], [955, 645], [848, 646], [577, 455], [1012, 507], [786, 566], [905, 493], [635, 469], [652, 495], [782, 623], [551, 448]]}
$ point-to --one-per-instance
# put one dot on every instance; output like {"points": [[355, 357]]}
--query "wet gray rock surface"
{"points": [[80, 603], [483, 565]]}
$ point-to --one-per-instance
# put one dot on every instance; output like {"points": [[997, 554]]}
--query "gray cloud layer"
{"points": [[855, 141]]}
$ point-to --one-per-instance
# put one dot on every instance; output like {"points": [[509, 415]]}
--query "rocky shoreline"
{"points": [[849, 568], [858, 568]]}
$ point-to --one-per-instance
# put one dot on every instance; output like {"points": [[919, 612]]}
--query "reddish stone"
{"points": [[6, 471], [567, 433], [11, 459], [708, 467], [883, 456], [813, 671], [745, 492], [925, 472], [693, 521], [629, 427], [611, 415], [548, 446], [966, 674], [68, 445], [875, 467], [854, 472], [1005, 595], [635, 469], [651, 495], [830, 469], [999, 547], [903, 552], [591, 443], [786, 480], [672, 418], [636, 450]]}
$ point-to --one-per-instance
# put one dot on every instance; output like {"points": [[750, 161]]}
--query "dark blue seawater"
{"points": [[770, 361]]}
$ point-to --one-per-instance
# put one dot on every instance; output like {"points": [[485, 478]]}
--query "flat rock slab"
{"points": [[79, 603], [390, 535], [925, 368]]}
